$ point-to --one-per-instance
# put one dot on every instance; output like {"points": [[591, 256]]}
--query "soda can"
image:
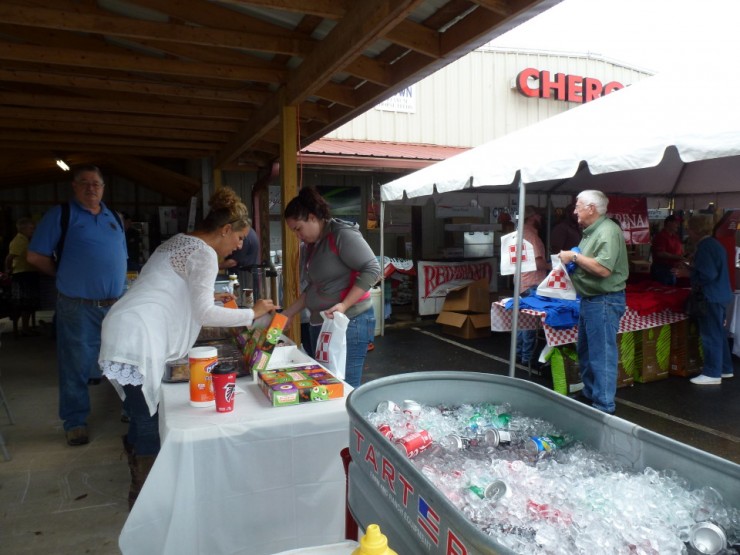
{"points": [[493, 491], [387, 406], [494, 437], [411, 408], [707, 537], [414, 443], [385, 430], [454, 442], [542, 444]]}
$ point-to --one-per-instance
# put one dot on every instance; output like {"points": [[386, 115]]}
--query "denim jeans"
{"points": [[78, 346], [716, 349], [360, 331], [525, 339], [143, 430], [598, 324]]}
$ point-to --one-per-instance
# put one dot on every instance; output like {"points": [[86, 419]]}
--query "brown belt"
{"points": [[102, 303]]}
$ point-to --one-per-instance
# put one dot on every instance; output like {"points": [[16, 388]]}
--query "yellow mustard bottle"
{"points": [[374, 543]]}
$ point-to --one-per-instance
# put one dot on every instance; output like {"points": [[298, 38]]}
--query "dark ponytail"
{"points": [[308, 201]]}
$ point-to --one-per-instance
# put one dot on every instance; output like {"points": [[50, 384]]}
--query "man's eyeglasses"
{"points": [[93, 184], [580, 207]]}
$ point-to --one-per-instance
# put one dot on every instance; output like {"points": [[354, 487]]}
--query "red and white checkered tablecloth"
{"points": [[534, 319]]}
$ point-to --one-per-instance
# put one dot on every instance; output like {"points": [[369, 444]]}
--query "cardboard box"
{"points": [[652, 354], [307, 384], [467, 326], [473, 298]]}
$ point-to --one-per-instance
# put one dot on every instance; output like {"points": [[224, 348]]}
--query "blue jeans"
{"points": [[143, 430], [360, 332], [598, 324], [78, 346], [717, 356], [525, 339]]}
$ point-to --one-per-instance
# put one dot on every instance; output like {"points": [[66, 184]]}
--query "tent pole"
{"points": [[382, 268], [517, 277]]}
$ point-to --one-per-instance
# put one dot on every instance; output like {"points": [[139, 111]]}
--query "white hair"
{"points": [[597, 198]]}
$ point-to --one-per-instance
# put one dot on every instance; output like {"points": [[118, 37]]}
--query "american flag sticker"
{"points": [[428, 520]]}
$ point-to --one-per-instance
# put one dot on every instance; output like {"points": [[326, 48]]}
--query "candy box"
{"points": [[282, 394], [310, 384]]}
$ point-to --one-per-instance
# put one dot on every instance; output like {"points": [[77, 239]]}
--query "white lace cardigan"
{"points": [[160, 316]]}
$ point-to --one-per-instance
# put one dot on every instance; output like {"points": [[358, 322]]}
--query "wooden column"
{"points": [[288, 190]]}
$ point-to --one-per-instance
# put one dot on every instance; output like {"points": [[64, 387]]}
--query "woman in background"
{"points": [[338, 268], [25, 292], [708, 272], [158, 320]]}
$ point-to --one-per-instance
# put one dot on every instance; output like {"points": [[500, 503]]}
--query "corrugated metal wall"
{"points": [[472, 101]]}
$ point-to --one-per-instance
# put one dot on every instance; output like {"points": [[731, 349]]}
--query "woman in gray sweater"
{"points": [[338, 270]]}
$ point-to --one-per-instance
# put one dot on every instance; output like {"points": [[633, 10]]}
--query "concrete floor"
{"points": [[73, 500]]}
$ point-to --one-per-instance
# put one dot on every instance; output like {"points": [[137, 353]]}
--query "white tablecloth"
{"points": [[734, 323], [256, 481]]}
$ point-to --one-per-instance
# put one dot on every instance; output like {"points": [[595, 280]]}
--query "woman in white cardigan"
{"points": [[158, 320]]}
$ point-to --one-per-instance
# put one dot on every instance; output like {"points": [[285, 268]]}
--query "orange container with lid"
{"points": [[202, 360]]}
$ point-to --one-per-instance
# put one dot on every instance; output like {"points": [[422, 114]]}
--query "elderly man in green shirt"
{"points": [[600, 278]]}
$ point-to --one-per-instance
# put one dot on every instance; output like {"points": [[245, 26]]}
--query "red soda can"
{"points": [[385, 430], [414, 443]]}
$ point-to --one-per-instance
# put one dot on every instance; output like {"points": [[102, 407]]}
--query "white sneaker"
{"points": [[724, 375], [701, 379]]}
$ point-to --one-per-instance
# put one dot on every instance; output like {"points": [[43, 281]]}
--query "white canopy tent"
{"points": [[673, 135]]}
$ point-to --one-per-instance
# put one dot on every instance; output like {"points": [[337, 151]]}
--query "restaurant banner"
{"points": [[436, 279], [632, 215]]}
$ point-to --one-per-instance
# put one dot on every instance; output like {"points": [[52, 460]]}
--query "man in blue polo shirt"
{"points": [[90, 276]]}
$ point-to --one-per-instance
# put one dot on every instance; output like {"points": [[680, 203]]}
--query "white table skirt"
{"points": [[733, 317], [256, 481]]}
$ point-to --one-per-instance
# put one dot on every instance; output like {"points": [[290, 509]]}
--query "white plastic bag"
{"points": [[508, 255], [331, 348], [557, 284]]}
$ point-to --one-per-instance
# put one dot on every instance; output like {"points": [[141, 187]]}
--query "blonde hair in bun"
{"points": [[225, 208]]}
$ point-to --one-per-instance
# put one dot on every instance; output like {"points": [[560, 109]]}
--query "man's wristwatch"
{"points": [[575, 257]]}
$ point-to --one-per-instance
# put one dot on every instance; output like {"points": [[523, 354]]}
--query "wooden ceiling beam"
{"points": [[328, 9], [140, 29], [97, 128], [137, 150], [500, 7], [137, 63], [416, 37], [125, 86], [155, 108], [364, 25], [85, 139], [160, 179], [153, 121]]}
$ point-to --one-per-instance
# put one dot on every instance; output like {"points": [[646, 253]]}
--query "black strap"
{"points": [[64, 224]]}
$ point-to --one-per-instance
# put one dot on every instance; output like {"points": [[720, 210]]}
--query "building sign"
{"points": [[534, 83], [404, 101]]}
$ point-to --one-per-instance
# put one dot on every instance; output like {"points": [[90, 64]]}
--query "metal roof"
{"points": [[135, 85]]}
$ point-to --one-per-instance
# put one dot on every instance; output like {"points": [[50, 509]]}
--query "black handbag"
{"points": [[696, 304]]}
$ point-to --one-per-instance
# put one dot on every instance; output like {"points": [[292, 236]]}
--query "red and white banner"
{"points": [[632, 215], [436, 279]]}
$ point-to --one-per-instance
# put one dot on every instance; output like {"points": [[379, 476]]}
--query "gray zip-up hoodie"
{"points": [[330, 264]]}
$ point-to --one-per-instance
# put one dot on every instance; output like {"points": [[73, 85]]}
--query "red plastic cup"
{"points": [[224, 387]]}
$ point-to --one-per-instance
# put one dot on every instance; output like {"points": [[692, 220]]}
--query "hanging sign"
{"points": [[632, 215]]}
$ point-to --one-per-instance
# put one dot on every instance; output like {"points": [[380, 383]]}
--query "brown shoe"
{"points": [[77, 436]]}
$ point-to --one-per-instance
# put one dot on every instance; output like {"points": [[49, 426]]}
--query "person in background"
{"points": [[25, 293], [160, 317], [339, 269], [708, 273], [244, 259], [566, 234], [90, 269], [525, 339], [667, 251], [600, 279]]}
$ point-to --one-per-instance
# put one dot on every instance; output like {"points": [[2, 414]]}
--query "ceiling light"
{"points": [[62, 164]]}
